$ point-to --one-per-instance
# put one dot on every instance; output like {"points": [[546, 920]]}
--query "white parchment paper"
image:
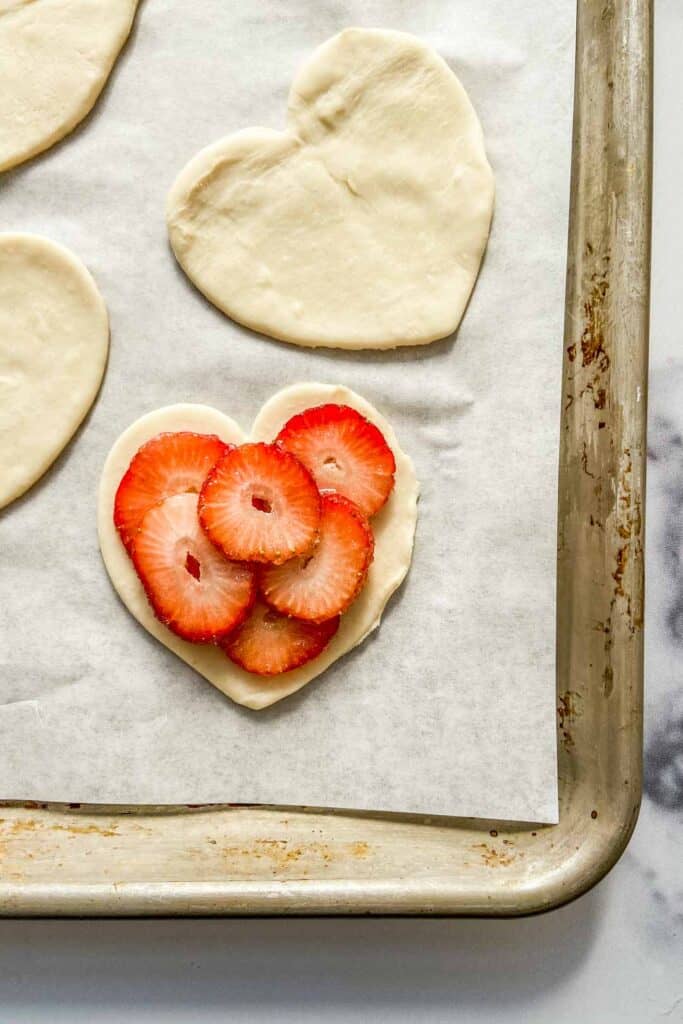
{"points": [[449, 707]]}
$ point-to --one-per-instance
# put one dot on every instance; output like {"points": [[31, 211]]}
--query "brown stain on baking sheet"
{"points": [[584, 461], [618, 574], [282, 853], [593, 337], [608, 680], [31, 825], [629, 525], [598, 394], [568, 710], [495, 858], [26, 825], [592, 344], [86, 830], [608, 673], [624, 519], [592, 360], [628, 515]]}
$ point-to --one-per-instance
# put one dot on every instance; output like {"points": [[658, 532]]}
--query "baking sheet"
{"points": [[449, 708]]}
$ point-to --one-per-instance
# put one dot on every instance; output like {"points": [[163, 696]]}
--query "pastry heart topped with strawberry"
{"points": [[259, 561]]}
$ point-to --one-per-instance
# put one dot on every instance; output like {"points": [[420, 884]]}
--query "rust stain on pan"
{"points": [[494, 858], [618, 574], [598, 394], [629, 524], [282, 853], [628, 513], [594, 365], [593, 343], [608, 680], [86, 830], [593, 337], [568, 710], [608, 671], [584, 461], [31, 825]]}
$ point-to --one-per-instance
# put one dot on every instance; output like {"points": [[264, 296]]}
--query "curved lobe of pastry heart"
{"points": [[394, 529], [363, 225], [54, 339], [55, 57]]}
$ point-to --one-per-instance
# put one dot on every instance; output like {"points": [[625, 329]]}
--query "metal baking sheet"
{"points": [[100, 712], [68, 859]]}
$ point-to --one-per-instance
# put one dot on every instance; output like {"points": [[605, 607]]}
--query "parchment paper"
{"points": [[449, 707]]}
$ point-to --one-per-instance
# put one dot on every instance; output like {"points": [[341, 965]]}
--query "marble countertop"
{"points": [[614, 955]]}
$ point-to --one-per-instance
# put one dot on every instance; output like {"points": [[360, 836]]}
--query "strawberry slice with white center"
{"points": [[268, 643], [259, 504], [192, 589], [344, 452], [170, 463], [317, 586]]}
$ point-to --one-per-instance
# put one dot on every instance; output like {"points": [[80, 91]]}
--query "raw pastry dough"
{"points": [[363, 225], [54, 338], [55, 56], [393, 526]]}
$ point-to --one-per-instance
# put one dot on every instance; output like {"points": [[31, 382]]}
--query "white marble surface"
{"points": [[615, 955]]}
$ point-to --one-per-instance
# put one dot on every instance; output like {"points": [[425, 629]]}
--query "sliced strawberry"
{"points": [[170, 463], [193, 590], [268, 643], [344, 452], [259, 504], [325, 582]]}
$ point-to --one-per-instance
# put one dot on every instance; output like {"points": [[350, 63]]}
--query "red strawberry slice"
{"points": [[344, 452], [325, 582], [268, 643], [193, 590], [170, 463], [259, 504]]}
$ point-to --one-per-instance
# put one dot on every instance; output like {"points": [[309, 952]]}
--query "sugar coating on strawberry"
{"points": [[268, 643], [192, 588], [344, 452], [323, 583], [170, 463], [259, 504]]}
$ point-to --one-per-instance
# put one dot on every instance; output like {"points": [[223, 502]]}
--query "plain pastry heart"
{"points": [[361, 226], [54, 338], [393, 526], [55, 57]]}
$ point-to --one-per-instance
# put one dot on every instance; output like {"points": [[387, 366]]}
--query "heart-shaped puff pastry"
{"points": [[54, 339], [55, 57], [393, 527], [361, 226]]}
